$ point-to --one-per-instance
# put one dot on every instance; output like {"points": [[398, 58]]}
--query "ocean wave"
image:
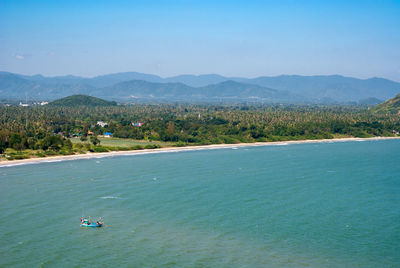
{"points": [[280, 144], [110, 197], [53, 160]]}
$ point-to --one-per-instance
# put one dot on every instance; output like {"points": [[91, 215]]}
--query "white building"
{"points": [[102, 124]]}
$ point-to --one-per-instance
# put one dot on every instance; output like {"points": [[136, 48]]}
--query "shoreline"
{"points": [[59, 158]]}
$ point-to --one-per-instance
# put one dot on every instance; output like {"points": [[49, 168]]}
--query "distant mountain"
{"points": [[389, 106], [231, 89], [370, 101], [197, 80], [335, 87], [68, 79], [319, 88], [139, 89], [13, 86], [288, 88], [111, 79], [98, 81], [228, 90], [81, 100]]}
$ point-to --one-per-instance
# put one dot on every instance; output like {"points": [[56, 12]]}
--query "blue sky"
{"points": [[233, 38]]}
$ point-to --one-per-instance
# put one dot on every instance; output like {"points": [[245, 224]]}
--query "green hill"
{"points": [[389, 106], [81, 100]]}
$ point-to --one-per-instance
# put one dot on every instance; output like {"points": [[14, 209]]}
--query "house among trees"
{"points": [[90, 133], [101, 123], [137, 124], [107, 135]]}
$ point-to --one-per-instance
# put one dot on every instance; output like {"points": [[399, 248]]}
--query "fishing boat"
{"points": [[86, 223]]}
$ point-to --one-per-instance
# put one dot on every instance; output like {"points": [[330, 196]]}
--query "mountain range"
{"points": [[132, 86]]}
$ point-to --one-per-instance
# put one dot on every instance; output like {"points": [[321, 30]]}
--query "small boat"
{"points": [[86, 223]]}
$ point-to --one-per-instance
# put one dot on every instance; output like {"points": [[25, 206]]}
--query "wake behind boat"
{"points": [[86, 223]]}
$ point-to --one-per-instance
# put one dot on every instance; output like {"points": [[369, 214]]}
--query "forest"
{"points": [[48, 130]]}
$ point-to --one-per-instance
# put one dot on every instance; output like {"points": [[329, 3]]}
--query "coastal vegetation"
{"points": [[50, 130]]}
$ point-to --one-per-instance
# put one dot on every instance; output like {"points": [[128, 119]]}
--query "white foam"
{"points": [[53, 160], [110, 197], [280, 144]]}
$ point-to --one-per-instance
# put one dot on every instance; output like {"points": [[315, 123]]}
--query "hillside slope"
{"points": [[389, 106]]}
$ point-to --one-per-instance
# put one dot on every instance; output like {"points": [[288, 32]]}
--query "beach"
{"points": [[89, 155]]}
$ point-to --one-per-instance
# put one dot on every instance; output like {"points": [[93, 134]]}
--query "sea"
{"points": [[290, 205]]}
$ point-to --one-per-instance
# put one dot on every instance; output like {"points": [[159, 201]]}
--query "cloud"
{"points": [[22, 56]]}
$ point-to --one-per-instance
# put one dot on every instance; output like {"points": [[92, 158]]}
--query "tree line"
{"points": [[49, 128]]}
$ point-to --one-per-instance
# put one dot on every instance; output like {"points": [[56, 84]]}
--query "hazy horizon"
{"points": [[189, 74], [235, 39]]}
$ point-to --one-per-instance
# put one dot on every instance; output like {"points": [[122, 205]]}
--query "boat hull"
{"points": [[93, 225]]}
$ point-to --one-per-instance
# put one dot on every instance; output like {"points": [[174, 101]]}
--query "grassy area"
{"points": [[80, 147], [116, 142], [11, 154]]}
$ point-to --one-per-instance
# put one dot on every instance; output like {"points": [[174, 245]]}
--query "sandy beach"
{"points": [[7, 163]]}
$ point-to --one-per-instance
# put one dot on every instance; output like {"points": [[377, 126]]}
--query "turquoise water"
{"points": [[303, 205]]}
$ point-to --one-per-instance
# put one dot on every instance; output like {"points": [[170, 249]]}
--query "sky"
{"points": [[232, 38]]}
